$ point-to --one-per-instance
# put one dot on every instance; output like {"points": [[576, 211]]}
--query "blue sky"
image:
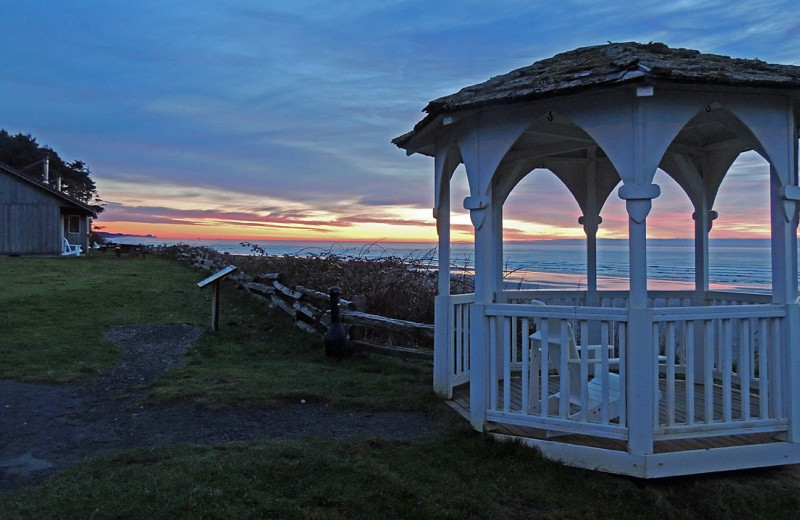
{"points": [[274, 118]]}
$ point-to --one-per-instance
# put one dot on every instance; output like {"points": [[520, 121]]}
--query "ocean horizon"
{"points": [[734, 264]]}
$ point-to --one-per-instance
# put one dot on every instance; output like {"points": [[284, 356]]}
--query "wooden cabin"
{"points": [[638, 382], [36, 218]]}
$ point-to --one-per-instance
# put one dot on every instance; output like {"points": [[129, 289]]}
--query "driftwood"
{"points": [[259, 288], [373, 320], [323, 298], [277, 301], [286, 291]]}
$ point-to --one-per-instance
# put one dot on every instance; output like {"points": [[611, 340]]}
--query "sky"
{"points": [[272, 119]]}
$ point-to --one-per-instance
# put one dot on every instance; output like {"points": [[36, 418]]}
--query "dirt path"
{"points": [[46, 428]]}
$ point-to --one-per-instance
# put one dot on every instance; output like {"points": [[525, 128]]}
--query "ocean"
{"points": [[735, 264]]}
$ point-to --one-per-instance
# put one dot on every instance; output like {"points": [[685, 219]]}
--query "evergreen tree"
{"points": [[21, 151]]}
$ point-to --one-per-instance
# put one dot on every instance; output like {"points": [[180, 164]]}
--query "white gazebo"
{"points": [[638, 382]]}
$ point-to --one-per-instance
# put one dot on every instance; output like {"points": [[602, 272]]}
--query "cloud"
{"points": [[267, 108]]}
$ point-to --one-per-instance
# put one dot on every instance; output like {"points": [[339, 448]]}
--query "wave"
{"points": [[734, 264]]}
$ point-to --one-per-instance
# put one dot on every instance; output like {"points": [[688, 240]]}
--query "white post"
{"points": [[498, 263], [642, 365], [591, 221], [641, 359], [702, 226], [784, 287], [641, 381], [784, 245], [703, 219], [498, 281], [442, 351], [482, 217]]}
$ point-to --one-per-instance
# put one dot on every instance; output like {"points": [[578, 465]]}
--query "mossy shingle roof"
{"points": [[610, 64]]}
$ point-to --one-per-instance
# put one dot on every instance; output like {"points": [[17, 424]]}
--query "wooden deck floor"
{"points": [[460, 403]]}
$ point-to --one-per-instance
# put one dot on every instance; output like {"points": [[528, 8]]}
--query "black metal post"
{"points": [[336, 344]]}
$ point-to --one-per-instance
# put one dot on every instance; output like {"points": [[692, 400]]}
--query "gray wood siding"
{"points": [[31, 221]]}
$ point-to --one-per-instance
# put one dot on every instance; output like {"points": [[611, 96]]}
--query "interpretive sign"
{"points": [[214, 280]]}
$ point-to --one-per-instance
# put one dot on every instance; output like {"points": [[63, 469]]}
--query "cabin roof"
{"points": [[607, 65], [72, 201]]}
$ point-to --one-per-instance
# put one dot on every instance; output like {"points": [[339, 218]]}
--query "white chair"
{"points": [[69, 249], [554, 341], [597, 382], [595, 386]]}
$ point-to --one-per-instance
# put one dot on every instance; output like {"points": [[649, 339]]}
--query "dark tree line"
{"points": [[22, 152]]}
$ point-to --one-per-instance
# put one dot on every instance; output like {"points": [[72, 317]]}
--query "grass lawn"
{"points": [[55, 312], [53, 316]]}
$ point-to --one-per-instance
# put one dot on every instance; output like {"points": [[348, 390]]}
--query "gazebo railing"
{"points": [[459, 339], [619, 299], [557, 387], [736, 298], [724, 370], [721, 368]]}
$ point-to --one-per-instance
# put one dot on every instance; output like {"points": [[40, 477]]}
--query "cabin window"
{"points": [[73, 224]]}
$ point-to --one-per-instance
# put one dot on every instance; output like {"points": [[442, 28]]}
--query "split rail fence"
{"points": [[310, 308]]}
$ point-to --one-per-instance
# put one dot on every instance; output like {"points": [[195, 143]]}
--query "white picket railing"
{"points": [[721, 369], [459, 338], [558, 388], [733, 355]]}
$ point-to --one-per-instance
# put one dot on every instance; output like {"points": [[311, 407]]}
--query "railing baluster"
{"points": [[508, 347], [622, 343], [656, 403], [493, 398], [544, 367], [670, 353], [689, 374], [709, 349], [777, 372], [744, 367], [526, 356], [583, 327], [764, 372], [459, 338], [564, 374], [513, 345], [466, 338], [604, 415], [727, 368]]}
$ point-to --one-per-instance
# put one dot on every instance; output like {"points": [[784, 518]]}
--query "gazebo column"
{"points": [[783, 202], [591, 221], [641, 355], [497, 249], [784, 220], [496, 208], [590, 225], [442, 355], [703, 219], [480, 375]]}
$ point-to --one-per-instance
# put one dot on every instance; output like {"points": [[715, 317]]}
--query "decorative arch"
{"points": [[564, 149], [704, 149], [447, 159]]}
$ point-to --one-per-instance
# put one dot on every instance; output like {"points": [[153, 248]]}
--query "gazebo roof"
{"points": [[608, 65]]}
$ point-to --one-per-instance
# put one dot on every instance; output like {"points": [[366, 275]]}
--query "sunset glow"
{"points": [[540, 209], [222, 121]]}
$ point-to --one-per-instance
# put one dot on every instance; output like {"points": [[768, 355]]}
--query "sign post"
{"points": [[214, 280]]}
